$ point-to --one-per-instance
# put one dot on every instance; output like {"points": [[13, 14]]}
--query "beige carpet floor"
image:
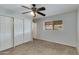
{"points": [[40, 47]]}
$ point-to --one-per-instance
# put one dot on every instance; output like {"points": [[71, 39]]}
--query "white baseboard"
{"points": [[56, 42]]}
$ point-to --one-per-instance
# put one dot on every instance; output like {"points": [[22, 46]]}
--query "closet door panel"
{"points": [[5, 32], [27, 30], [18, 32]]}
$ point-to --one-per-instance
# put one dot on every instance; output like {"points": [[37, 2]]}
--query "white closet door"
{"points": [[27, 30], [5, 33], [18, 32]]}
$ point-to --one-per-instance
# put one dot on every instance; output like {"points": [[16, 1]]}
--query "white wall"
{"points": [[68, 36], [78, 30], [34, 30]]}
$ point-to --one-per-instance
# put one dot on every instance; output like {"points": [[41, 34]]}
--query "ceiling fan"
{"points": [[34, 10]]}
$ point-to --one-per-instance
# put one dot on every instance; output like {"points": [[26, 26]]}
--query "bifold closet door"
{"points": [[27, 30], [18, 32], [6, 33]]}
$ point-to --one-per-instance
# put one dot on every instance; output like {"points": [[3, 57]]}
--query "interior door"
{"points": [[18, 32], [5, 33]]}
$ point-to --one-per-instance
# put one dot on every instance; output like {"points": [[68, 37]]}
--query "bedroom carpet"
{"points": [[40, 47]]}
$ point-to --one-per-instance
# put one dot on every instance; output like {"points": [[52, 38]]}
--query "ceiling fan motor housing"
{"points": [[34, 11]]}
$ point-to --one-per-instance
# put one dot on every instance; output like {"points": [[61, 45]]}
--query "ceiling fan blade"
{"points": [[26, 7], [26, 12], [33, 5], [41, 9], [41, 13]]}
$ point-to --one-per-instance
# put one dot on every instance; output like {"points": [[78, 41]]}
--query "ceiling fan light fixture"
{"points": [[32, 14]]}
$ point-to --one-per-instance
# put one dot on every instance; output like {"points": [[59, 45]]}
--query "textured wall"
{"points": [[68, 36]]}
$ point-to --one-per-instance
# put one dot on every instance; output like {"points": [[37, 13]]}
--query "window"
{"points": [[53, 25], [57, 25], [49, 25]]}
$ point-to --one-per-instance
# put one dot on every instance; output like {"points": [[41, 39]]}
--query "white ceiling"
{"points": [[15, 10]]}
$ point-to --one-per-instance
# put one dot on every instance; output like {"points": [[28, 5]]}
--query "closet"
{"points": [[18, 31], [14, 31], [6, 32]]}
